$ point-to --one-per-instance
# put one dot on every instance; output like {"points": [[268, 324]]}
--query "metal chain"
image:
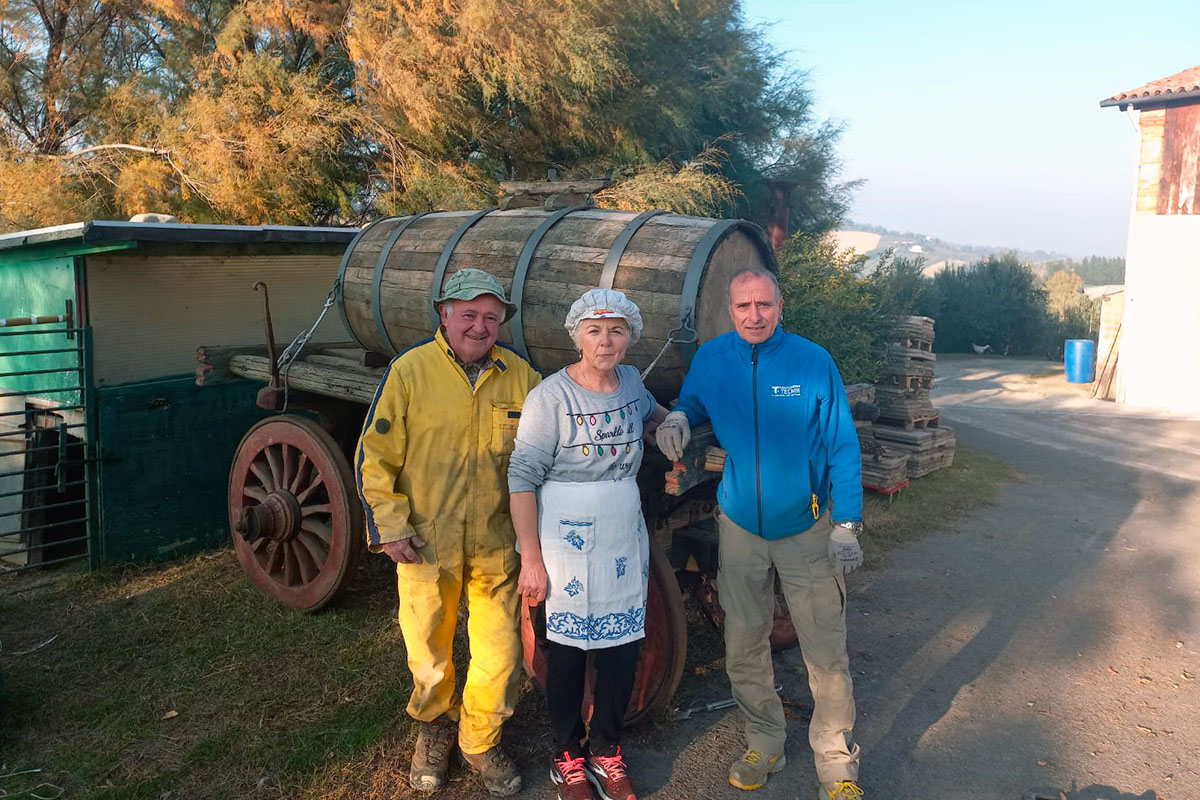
{"points": [[292, 351]]}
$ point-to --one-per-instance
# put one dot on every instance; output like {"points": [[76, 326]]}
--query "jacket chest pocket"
{"points": [[505, 419]]}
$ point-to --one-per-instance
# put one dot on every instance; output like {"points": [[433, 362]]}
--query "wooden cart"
{"points": [[293, 505]]}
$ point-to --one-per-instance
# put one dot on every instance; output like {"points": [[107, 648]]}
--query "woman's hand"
{"points": [[534, 582]]}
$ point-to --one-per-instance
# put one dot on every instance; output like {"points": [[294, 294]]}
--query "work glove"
{"points": [[844, 550], [673, 434]]}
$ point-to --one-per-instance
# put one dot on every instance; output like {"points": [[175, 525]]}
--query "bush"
{"points": [[828, 300], [997, 301]]}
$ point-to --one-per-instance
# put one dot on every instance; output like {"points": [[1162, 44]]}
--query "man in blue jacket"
{"points": [[790, 502]]}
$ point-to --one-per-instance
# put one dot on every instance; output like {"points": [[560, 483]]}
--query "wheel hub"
{"points": [[277, 517]]}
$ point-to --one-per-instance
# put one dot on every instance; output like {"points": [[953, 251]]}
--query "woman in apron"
{"points": [[584, 547]]}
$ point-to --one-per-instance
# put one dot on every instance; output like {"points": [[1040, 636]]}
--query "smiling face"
{"points": [[472, 325], [754, 307], [602, 342]]}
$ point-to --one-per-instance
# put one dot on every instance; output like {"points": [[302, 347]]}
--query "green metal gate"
{"points": [[46, 442]]}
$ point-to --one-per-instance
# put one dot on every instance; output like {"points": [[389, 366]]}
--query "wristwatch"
{"points": [[854, 527]]}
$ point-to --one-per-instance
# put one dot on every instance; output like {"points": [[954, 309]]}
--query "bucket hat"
{"points": [[469, 283]]}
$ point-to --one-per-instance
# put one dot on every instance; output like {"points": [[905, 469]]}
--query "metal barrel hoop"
{"points": [[377, 279], [340, 281], [439, 271], [518, 285], [609, 275]]}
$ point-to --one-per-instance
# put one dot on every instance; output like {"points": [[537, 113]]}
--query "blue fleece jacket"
{"points": [[780, 411]]}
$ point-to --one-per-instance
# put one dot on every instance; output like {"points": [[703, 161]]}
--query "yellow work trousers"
{"points": [[429, 598]]}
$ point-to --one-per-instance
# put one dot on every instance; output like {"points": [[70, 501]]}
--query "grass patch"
{"points": [[931, 503], [182, 681]]}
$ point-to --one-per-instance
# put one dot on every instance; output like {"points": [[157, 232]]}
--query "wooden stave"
{"points": [[651, 271]]}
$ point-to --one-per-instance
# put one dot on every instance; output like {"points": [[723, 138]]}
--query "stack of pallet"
{"points": [[925, 449], [908, 421], [902, 394]]}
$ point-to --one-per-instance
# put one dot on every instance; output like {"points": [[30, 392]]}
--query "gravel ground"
{"points": [[1047, 646]]}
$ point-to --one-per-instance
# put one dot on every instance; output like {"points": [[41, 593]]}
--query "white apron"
{"points": [[597, 555]]}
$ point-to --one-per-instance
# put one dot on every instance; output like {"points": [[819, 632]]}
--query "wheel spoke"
{"points": [[288, 458], [258, 544], [264, 475], [257, 492], [308, 569], [311, 488], [290, 570], [319, 528], [276, 466], [315, 547], [322, 508], [274, 558], [302, 473]]}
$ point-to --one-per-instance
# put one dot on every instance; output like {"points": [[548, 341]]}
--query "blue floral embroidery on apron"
{"points": [[621, 566], [616, 625], [574, 587]]}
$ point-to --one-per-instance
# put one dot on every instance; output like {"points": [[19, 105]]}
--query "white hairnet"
{"points": [[605, 304]]}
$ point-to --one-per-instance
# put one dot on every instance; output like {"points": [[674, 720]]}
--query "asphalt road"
{"points": [[1047, 645]]}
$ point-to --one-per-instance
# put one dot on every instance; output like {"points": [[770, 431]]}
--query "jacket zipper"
{"points": [[757, 461]]}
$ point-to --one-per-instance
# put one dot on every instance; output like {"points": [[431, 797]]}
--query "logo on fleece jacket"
{"points": [[786, 391]]}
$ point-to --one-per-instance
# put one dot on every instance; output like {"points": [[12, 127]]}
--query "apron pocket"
{"points": [[576, 534]]}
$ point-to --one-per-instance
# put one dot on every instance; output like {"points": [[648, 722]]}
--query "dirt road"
{"points": [[1050, 642]]}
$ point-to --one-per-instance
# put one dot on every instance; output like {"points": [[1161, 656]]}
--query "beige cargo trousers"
{"points": [[816, 600]]}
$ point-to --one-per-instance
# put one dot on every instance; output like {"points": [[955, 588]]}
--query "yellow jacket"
{"points": [[433, 455]]}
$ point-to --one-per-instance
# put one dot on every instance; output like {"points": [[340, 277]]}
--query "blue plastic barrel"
{"points": [[1079, 355]]}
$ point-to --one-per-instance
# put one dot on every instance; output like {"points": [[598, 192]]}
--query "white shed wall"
{"points": [[150, 312]]}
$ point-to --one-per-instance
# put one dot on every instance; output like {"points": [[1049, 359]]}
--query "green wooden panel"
{"points": [[42, 288], [165, 451]]}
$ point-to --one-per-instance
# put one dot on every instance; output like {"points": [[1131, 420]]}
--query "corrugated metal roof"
{"points": [[1180, 86], [107, 231]]}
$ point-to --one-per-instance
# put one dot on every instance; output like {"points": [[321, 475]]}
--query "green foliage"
{"points": [[999, 301], [338, 110], [1094, 270], [827, 299]]}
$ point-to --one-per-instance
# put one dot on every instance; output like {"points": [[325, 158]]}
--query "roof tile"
{"points": [[1187, 82]]}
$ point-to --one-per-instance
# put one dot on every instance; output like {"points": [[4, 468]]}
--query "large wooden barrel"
{"points": [[676, 268]]}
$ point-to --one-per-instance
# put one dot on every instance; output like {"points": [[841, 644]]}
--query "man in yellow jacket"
{"points": [[432, 467]]}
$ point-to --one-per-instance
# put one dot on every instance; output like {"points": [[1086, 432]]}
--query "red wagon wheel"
{"points": [[297, 522], [660, 665]]}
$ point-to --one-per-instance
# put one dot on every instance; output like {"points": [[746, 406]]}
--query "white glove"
{"points": [[673, 434], [844, 550]]}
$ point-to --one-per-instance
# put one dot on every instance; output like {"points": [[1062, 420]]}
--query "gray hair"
{"points": [[755, 272]]}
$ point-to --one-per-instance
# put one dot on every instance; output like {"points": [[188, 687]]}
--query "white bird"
{"points": [[980, 348]]}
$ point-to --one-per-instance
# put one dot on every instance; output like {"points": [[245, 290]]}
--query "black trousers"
{"points": [[566, 671]]}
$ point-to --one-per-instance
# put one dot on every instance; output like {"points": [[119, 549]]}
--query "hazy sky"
{"points": [[980, 122]]}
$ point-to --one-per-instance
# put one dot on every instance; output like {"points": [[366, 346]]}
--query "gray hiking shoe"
{"points": [[499, 773], [751, 770], [431, 756]]}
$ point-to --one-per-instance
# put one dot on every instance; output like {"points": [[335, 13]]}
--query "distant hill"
{"points": [[874, 240]]}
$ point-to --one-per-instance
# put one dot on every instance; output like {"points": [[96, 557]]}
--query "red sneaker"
{"points": [[607, 774], [570, 778]]}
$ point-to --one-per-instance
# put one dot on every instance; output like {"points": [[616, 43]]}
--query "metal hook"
{"points": [[270, 332]]}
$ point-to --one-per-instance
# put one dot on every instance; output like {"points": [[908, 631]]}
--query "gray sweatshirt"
{"points": [[572, 435]]}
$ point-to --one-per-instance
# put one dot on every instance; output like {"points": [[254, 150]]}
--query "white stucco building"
{"points": [[1159, 349]]}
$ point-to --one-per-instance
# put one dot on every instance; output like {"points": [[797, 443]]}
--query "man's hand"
{"points": [[534, 582], [844, 550], [673, 434], [404, 551]]}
